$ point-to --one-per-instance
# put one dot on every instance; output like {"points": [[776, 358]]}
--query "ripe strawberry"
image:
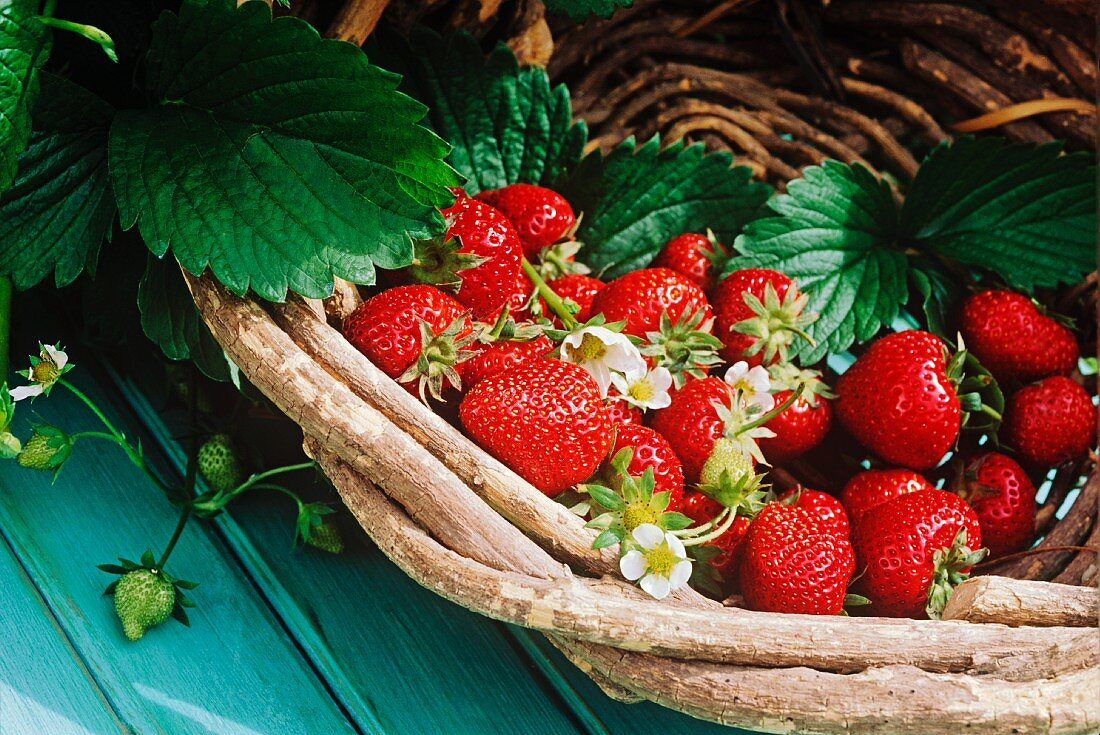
{"points": [[872, 487], [694, 256], [543, 418], [757, 313], [651, 450], [577, 287], [479, 255], [622, 412], [518, 300], [899, 402], [692, 424], [793, 564], [495, 357], [913, 549], [218, 463], [540, 216], [414, 334], [702, 509], [640, 298], [802, 425], [1013, 339], [1050, 422], [143, 599], [1003, 498], [827, 508]]}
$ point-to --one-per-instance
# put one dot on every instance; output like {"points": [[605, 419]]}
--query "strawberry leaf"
{"points": [[24, 47], [273, 157], [59, 211], [835, 235], [506, 123], [1026, 212], [169, 318], [581, 9], [636, 198], [939, 291]]}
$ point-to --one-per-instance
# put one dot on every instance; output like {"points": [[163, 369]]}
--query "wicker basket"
{"points": [[1018, 656]]}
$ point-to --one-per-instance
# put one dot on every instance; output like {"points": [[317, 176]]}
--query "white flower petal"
{"points": [[763, 401], [573, 339], [25, 391], [656, 587], [621, 383], [648, 535], [59, 358], [736, 372], [599, 371], [660, 400], [680, 574], [633, 565], [759, 379], [627, 360], [661, 379], [675, 545]]}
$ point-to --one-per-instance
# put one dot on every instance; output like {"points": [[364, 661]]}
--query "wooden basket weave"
{"points": [[1019, 656]]}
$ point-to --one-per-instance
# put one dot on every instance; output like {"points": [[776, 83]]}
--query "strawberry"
{"points": [[326, 536], [47, 449], [828, 509], [543, 418], [899, 402], [912, 551], [578, 288], [651, 450], [702, 509], [218, 463], [694, 256], [871, 487], [539, 215], [1003, 498], [620, 411], [802, 425], [1013, 339], [1050, 422], [691, 424], [414, 334], [792, 563], [640, 298], [479, 255], [757, 313], [495, 357], [143, 599]]}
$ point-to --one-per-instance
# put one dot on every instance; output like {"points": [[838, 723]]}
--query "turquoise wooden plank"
{"points": [[235, 672], [44, 685], [401, 659]]}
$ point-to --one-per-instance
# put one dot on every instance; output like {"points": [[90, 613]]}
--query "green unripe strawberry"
{"points": [[143, 599], [728, 455], [219, 465], [47, 449], [326, 537]]}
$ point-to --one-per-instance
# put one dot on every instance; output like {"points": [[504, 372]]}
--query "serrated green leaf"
{"points": [[24, 47], [169, 318], [276, 158], [60, 209], [581, 9], [635, 199], [834, 235], [506, 123], [1023, 211]]}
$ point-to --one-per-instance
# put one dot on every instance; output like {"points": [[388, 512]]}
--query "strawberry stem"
{"points": [[761, 420], [716, 531], [185, 514], [552, 299]]}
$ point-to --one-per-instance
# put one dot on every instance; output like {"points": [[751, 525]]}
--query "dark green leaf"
{"points": [[111, 568], [581, 9], [170, 319], [60, 209], [181, 615], [110, 589], [24, 47], [186, 584], [276, 158], [835, 235], [1023, 211], [506, 123], [939, 290], [636, 199]]}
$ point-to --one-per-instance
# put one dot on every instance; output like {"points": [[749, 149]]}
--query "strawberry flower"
{"points": [[659, 561], [646, 390], [44, 372], [753, 385], [602, 352]]}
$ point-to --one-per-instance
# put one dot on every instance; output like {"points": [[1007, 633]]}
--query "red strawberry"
{"points": [[702, 509], [827, 508], [414, 334], [479, 254], [620, 411], [898, 401], [518, 300], [692, 423], [492, 358], [651, 450], [543, 418], [792, 563], [693, 256], [1050, 422], [541, 216], [912, 550], [581, 289], [871, 487], [1013, 339], [802, 425], [757, 313], [1003, 498], [640, 298]]}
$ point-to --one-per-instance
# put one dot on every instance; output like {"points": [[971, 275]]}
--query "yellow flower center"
{"points": [[743, 386], [45, 372], [638, 512], [661, 560], [590, 348], [641, 391]]}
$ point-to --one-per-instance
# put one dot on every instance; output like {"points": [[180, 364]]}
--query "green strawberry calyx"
{"points": [[728, 478], [775, 322], [559, 259], [685, 347], [437, 261], [434, 367], [951, 567], [718, 255], [980, 397], [788, 376]]}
